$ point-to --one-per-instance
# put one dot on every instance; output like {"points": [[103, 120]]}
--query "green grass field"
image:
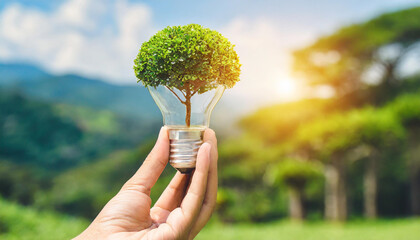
{"points": [[17, 222], [401, 229]]}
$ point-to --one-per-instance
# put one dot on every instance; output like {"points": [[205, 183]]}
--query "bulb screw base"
{"points": [[184, 145]]}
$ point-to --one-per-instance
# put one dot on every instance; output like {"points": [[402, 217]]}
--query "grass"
{"points": [[407, 229], [18, 222]]}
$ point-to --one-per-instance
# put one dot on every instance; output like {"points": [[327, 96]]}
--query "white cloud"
{"points": [[81, 36], [79, 14], [102, 40]]}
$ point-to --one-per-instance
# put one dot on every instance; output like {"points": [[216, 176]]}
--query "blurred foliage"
{"points": [[32, 133], [56, 137], [368, 130], [17, 222], [243, 195], [39, 140], [20, 183], [370, 118], [354, 134], [407, 108], [341, 132], [340, 60], [294, 172], [84, 190], [278, 123]]}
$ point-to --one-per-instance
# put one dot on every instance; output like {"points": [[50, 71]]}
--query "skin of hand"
{"points": [[182, 210]]}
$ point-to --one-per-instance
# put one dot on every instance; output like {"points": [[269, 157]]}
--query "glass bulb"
{"points": [[186, 128]]}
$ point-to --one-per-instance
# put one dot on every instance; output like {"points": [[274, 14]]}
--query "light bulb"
{"points": [[186, 69], [186, 130]]}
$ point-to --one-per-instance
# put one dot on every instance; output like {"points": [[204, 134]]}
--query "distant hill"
{"points": [[58, 136], [84, 190], [130, 100], [77, 90]]}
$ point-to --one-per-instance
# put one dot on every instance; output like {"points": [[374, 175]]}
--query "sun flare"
{"points": [[287, 88]]}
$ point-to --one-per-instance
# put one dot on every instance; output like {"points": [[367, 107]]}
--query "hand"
{"points": [[181, 211]]}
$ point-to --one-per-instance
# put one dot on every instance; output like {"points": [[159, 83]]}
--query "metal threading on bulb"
{"points": [[184, 146]]}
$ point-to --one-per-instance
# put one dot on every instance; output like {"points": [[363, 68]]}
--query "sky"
{"points": [[100, 39]]}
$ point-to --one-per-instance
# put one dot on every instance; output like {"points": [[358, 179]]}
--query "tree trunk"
{"points": [[415, 192], [370, 182], [296, 210], [335, 191], [188, 114], [188, 108], [414, 166], [187, 102]]}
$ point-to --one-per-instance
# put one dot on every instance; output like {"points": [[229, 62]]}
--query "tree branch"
{"points": [[185, 96], [176, 95], [192, 94]]}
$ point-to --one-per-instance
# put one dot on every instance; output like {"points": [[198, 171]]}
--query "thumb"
{"points": [[154, 164]]}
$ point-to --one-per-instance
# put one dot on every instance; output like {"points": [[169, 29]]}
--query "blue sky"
{"points": [[101, 38], [321, 13]]}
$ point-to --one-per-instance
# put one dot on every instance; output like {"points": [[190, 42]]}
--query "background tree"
{"points": [[344, 59], [341, 138], [327, 141], [295, 174], [191, 59], [377, 132], [407, 109], [277, 124], [331, 140], [244, 195]]}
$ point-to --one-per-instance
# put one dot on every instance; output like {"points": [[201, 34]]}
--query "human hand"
{"points": [[182, 210]]}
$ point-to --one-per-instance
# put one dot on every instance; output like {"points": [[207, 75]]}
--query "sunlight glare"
{"points": [[287, 88]]}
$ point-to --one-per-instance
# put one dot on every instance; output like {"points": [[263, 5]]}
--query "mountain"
{"points": [[10, 73], [58, 136], [77, 90], [130, 100]]}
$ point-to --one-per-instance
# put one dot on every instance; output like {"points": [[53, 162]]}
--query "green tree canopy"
{"points": [[343, 132], [340, 59], [406, 108], [294, 172], [278, 123], [190, 58]]}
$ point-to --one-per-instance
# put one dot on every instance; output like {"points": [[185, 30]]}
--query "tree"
{"points": [[278, 123], [407, 109], [343, 59], [327, 140], [191, 59], [243, 195], [295, 174], [378, 132], [336, 140]]}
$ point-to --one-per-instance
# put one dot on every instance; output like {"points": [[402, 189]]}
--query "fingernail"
{"points": [[161, 132]]}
